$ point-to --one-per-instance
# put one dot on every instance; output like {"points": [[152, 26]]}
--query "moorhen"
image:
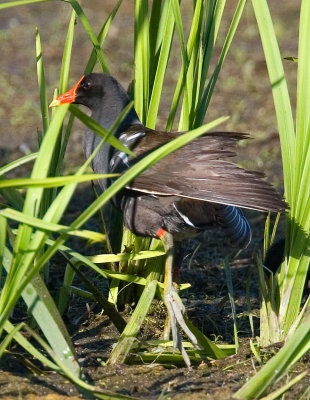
{"points": [[183, 194]]}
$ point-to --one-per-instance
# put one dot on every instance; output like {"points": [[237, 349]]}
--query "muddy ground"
{"points": [[243, 93]]}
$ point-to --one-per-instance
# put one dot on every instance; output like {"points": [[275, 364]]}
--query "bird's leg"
{"points": [[172, 300], [178, 254], [167, 329]]}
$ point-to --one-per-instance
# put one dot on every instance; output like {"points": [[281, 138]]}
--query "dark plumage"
{"points": [[187, 192]]}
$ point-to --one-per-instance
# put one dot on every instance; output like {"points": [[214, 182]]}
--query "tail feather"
{"points": [[235, 224]]}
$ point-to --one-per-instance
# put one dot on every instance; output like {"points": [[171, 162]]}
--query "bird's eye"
{"points": [[86, 85]]}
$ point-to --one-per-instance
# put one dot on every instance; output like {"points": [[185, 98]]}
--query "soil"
{"points": [[243, 93]]}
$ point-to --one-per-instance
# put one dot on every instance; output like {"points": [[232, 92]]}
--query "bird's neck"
{"points": [[108, 113], [105, 115]]}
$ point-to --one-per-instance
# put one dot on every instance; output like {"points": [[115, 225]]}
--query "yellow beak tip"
{"points": [[55, 103]]}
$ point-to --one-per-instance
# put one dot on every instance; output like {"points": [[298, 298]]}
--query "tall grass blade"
{"points": [[155, 20], [56, 181], [122, 347], [184, 117], [66, 58], [41, 83], [161, 67], [214, 12], [194, 36], [303, 97], [206, 97], [49, 226], [80, 13], [279, 91], [8, 338], [232, 302], [210, 348], [3, 228], [22, 3], [17, 163], [266, 236], [101, 37], [142, 62]]}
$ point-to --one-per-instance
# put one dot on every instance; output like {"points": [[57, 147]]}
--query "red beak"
{"points": [[68, 97]]}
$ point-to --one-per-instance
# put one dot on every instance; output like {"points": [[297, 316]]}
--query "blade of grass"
{"points": [[3, 229], [17, 163], [80, 13], [303, 84], [66, 58], [194, 34], [101, 37], [49, 226], [206, 97], [50, 182], [8, 338], [22, 3], [41, 83], [141, 56], [132, 328], [214, 13], [279, 91], [60, 145], [184, 117], [266, 236], [274, 230], [232, 302], [155, 19], [210, 348], [248, 302], [161, 68]]}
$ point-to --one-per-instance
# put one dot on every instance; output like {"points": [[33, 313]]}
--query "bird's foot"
{"points": [[176, 310]]}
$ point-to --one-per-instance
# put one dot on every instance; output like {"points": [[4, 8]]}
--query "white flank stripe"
{"points": [[184, 217], [135, 136]]}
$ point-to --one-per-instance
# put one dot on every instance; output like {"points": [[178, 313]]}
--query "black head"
{"points": [[94, 90]]}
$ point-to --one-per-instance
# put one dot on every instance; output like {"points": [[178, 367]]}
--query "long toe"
{"points": [[176, 310]]}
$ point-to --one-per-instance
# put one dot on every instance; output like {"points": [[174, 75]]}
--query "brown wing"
{"points": [[199, 171]]}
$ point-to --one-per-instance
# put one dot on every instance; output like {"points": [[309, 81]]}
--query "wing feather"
{"points": [[206, 174]]}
